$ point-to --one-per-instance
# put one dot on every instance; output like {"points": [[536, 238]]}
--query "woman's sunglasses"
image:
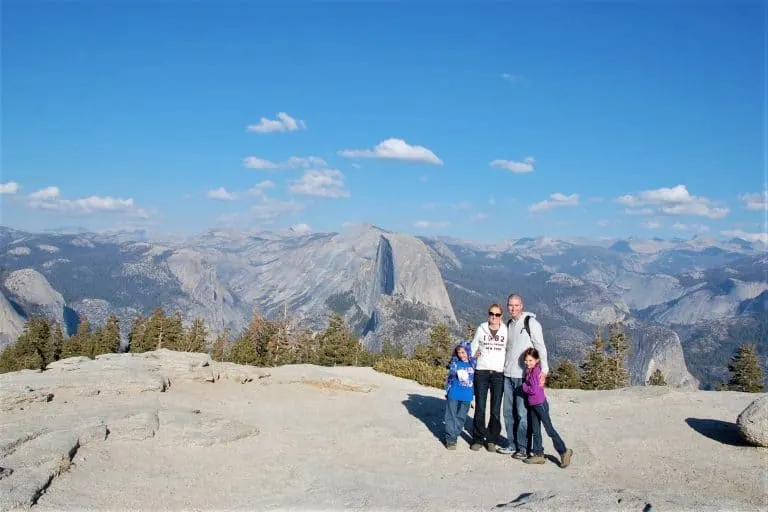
{"points": [[491, 313]]}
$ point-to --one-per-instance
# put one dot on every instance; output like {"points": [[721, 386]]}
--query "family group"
{"points": [[509, 361]]}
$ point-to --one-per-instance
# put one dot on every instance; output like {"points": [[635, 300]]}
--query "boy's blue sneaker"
{"points": [[505, 450]]}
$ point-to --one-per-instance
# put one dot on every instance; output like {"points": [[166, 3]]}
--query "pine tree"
{"points": [[79, 344], [565, 376], [306, 346], [33, 349], [746, 373], [656, 379], [57, 342], [437, 352], [470, 332], [195, 337], [338, 346], [220, 347], [595, 370], [391, 350], [154, 333], [618, 341], [243, 350], [136, 336], [173, 332], [107, 340]]}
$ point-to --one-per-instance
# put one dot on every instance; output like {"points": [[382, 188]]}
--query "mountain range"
{"points": [[686, 303]]}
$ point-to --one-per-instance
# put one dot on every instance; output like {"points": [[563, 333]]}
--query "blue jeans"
{"points": [[516, 414], [455, 414], [539, 416]]}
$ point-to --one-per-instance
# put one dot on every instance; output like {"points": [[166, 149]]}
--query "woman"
{"points": [[489, 346]]}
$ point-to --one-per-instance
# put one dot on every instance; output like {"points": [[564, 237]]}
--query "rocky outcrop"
{"points": [[11, 323], [753, 422], [36, 295], [658, 347], [72, 404]]}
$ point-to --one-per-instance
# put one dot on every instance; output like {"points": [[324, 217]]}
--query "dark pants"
{"points": [[539, 416], [455, 413], [485, 380]]}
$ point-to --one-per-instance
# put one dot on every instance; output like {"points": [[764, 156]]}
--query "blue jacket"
{"points": [[461, 380]]}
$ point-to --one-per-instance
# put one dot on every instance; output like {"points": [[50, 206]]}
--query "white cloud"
{"points": [[639, 211], [651, 224], [755, 201], [492, 201], [356, 165], [750, 237], [221, 194], [428, 224], [283, 123], [527, 165], [674, 201], [294, 162], [259, 188], [698, 228], [268, 209], [49, 199], [301, 229], [395, 149], [46, 194], [327, 183], [9, 188], [509, 77], [478, 217], [555, 200]]}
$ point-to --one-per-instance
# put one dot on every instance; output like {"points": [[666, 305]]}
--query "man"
{"points": [[490, 347], [515, 411]]}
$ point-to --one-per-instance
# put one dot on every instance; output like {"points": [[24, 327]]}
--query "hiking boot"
{"points": [[505, 450], [450, 446], [475, 447], [565, 458], [535, 459], [491, 447], [519, 456]]}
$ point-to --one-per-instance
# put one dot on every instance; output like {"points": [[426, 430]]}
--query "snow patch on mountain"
{"points": [[48, 248]]}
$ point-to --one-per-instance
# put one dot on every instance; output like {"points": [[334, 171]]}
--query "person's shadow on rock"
{"points": [[429, 410]]}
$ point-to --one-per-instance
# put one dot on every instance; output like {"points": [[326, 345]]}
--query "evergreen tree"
{"points": [[565, 376], [220, 347], [656, 379], [173, 332], [338, 346], [746, 373], [107, 340], [79, 344], [243, 350], [595, 370], [618, 341], [154, 332], [195, 337], [33, 349], [57, 342], [136, 336], [438, 351], [306, 346], [470, 332], [391, 350]]}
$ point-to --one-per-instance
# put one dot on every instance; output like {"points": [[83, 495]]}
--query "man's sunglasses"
{"points": [[493, 314]]}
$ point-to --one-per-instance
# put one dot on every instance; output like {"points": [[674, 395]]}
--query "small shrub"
{"points": [[419, 371]]}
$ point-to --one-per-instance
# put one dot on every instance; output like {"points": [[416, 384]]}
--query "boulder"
{"points": [[753, 422]]}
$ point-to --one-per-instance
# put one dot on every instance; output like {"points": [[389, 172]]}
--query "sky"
{"points": [[483, 121]]}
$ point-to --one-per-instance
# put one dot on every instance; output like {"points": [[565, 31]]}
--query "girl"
{"points": [[459, 393], [539, 413]]}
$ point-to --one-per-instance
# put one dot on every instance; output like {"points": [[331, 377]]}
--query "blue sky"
{"points": [[483, 121]]}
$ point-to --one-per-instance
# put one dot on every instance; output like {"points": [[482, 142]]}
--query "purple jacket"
{"points": [[532, 388]]}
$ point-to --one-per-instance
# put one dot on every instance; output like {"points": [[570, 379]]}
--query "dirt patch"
{"points": [[335, 385]]}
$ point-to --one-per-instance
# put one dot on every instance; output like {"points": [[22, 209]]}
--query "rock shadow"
{"points": [[429, 410], [723, 432]]}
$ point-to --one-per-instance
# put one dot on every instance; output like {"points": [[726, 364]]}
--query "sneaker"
{"points": [[566, 458], [491, 447], [505, 450], [535, 459], [519, 456], [450, 446], [475, 447]]}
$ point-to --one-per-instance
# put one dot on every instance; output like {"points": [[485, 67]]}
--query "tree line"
{"points": [[274, 342]]}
